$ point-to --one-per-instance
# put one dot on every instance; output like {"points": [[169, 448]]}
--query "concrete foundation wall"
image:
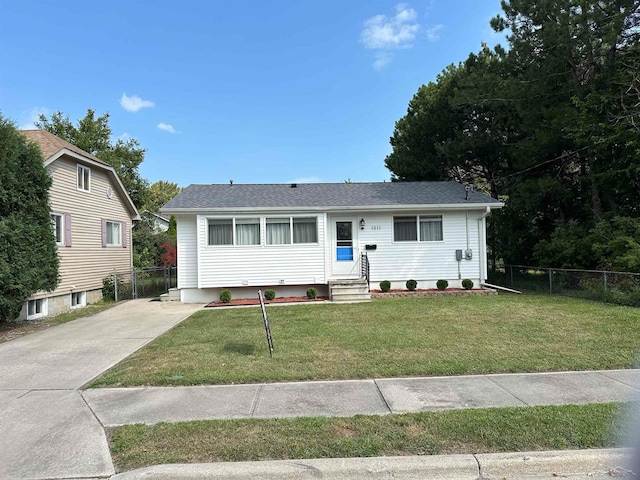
{"points": [[207, 295]]}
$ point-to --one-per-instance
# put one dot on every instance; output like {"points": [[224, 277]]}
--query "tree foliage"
{"points": [[93, 135], [28, 252], [158, 194], [550, 126]]}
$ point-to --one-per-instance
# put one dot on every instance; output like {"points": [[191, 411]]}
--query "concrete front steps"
{"points": [[349, 290], [172, 296]]}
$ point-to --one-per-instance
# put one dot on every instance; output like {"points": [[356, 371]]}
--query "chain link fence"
{"points": [[614, 287], [139, 283]]}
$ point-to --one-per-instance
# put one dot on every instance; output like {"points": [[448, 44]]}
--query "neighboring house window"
{"points": [[247, 231], [278, 231], [78, 299], [429, 228], [36, 308], [114, 234], [61, 226], [305, 230], [221, 232], [84, 178], [57, 225]]}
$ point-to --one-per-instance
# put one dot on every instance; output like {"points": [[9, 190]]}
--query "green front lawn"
{"points": [[456, 431], [388, 338]]}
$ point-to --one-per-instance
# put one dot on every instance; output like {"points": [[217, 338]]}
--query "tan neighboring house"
{"points": [[91, 216]]}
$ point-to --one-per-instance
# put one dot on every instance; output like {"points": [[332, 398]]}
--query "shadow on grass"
{"points": [[240, 348]]}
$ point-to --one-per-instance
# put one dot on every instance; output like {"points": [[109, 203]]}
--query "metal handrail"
{"points": [[364, 269]]}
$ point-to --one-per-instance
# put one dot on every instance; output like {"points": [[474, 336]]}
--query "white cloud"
{"points": [[385, 33], [306, 180], [28, 120], [433, 33], [167, 128], [134, 103]]}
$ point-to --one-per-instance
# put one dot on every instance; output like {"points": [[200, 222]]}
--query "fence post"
{"points": [[605, 282], [511, 271], [115, 286], [550, 282], [134, 284]]}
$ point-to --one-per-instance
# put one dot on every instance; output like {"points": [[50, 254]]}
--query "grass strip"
{"points": [[431, 433], [388, 338]]}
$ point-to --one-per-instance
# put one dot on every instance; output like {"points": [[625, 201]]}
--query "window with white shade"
{"points": [[278, 231], [305, 230], [247, 231]]}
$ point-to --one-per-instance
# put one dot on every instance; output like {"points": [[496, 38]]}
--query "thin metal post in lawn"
{"points": [[511, 270], [115, 286], [605, 282], [266, 323], [550, 282]]}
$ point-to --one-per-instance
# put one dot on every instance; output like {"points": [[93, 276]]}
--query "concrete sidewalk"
{"points": [[120, 406], [46, 428]]}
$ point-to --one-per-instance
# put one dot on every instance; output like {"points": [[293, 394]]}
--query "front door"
{"points": [[345, 255]]}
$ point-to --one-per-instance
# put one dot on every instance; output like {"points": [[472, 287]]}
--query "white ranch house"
{"points": [[289, 237]]}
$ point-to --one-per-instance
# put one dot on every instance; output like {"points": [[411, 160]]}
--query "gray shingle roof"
{"points": [[331, 195]]}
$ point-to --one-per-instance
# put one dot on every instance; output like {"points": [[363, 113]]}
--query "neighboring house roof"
{"points": [[326, 196], [53, 147], [50, 144], [154, 215]]}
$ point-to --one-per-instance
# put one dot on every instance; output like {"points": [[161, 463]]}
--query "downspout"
{"points": [[483, 244]]}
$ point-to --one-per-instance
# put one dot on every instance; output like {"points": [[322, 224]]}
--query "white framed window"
{"points": [[278, 231], [114, 234], [305, 230], [57, 225], [78, 299], [221, 231], [423, 228], [84, 178], [36, 308], [247, 231]]}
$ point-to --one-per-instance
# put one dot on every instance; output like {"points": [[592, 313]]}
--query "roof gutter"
{"points": [[359, 208]]}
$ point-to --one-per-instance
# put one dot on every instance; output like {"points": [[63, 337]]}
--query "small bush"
{"points": [[467, 284], [385, 285], [225, 296], [411, 285], [312, 293], [269, 294], [442, 284]]}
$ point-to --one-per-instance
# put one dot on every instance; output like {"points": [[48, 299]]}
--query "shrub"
{"points": [[442, 284], [411, 285], [312, 293], [467, 284], [269, 294], [225, 296], [385, 285]]}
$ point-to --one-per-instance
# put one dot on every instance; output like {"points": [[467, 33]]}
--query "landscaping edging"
{"points": [[435, 293]]}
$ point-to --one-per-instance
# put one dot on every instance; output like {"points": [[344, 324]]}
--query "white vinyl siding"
{"points": [[400, 261], [263, 264], [187, 246]]}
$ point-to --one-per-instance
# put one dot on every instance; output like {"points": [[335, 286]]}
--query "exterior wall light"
{"points": [[362, 224]]}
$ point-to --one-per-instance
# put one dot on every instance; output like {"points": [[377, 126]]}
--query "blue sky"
{"points": [[254, 91]]}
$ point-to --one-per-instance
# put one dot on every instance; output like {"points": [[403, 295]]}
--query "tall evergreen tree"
{"points": [[28, 252]]}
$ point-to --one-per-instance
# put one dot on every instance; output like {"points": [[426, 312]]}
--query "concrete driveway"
{"points": [[47, 429]]}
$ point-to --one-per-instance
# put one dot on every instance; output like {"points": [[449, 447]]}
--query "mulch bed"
{"points": [[255, 301], [404, 290]]}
